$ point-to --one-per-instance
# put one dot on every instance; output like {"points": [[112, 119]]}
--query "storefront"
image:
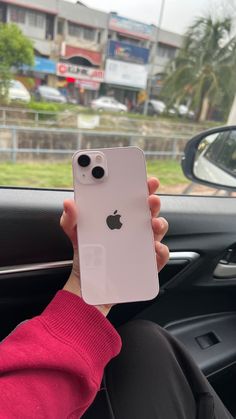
{"points": [[126, 70], [43, 72], [126, 80], [71, 52], [81, 83]]}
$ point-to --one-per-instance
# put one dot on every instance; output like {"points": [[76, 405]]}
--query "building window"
{"points": [[79, 31], [89, 34], [99, 37], [74, 30], [36, 19], [166, 51], [2, 13], [17, 15], [132, 41]]}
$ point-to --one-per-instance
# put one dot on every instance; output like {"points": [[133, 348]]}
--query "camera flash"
{"points": [[98, 159]]}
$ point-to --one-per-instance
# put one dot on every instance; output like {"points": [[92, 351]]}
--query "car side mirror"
{"points": [[210, 158]]}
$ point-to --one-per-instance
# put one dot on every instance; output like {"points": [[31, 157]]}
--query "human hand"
{"points": [[69, 224]]}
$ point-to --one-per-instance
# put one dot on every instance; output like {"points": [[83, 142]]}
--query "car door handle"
{"points": [[225, 271]]}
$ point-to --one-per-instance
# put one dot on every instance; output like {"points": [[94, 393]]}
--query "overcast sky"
{"points": [[178, 14]]}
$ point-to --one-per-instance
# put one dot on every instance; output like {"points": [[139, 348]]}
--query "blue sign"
{"points": [[124, 51], [42, 65], [130, 27]]}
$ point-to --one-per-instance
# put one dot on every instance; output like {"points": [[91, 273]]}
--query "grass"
{"points": [[59, 175], [169, 172]]}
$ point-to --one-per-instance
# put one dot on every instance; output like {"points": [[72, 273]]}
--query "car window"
{"points": [[74, 71], [16, 84], [227, 159], [216, 146], [222, 152], [49, 91]]}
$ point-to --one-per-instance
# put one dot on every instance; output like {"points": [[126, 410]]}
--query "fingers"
{"points": [[153, 185], [160, 227], [154, 204], [162, 255], [68, 221]]}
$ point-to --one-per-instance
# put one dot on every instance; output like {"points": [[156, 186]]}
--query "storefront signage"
{"points": [[130, 27], [126, 74], [124, 51], [69, 51], [42, 65], [80, 72], [88, 84]]}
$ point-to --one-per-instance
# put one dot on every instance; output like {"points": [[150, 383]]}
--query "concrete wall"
{"points": [[81, 14]]}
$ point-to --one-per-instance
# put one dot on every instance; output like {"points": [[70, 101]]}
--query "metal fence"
{"points": [[32, 143], [29, 144], [28, 117]]}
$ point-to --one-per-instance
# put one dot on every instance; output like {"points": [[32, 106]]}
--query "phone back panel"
{"points": [[117, 265]]}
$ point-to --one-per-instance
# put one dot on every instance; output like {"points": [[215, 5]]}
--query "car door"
{"points": [[107, 104], [114, 105], [195, 304]]}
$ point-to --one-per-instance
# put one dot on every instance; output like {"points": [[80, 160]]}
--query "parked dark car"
{"points": [[49, 94]]}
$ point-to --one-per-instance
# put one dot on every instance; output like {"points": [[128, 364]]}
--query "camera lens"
{"points": [[84, 160], [98, 172]]}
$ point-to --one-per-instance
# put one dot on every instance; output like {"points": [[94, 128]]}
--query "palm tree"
{"points": [[204, 69]]}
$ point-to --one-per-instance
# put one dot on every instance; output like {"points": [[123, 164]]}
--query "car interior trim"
{"points": [[225, 271], [67, 263], [35, 267]]}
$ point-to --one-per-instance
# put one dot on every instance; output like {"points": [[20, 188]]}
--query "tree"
{"points": [[204, 68], [15, 50]]}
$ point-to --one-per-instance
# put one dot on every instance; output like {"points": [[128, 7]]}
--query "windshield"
{"points": [[49, 91], [112, 74], [16, 84]]}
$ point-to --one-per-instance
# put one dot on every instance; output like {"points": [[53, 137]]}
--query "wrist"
{"points": [[73, 286]]}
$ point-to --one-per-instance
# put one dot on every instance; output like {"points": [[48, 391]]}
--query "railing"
{"points": [[32, 144], [28, 143], [27, 116]]}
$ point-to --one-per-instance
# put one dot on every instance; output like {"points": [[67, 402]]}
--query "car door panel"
{"points": [[30, 234], [36, 260]]}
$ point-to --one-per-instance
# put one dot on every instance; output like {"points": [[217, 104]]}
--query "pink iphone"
{"points": [[116, 243]]}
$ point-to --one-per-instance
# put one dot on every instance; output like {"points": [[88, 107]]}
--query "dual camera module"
{"points": [[97, 172]]}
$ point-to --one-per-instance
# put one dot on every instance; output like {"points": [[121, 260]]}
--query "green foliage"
{"points": [[45, 107], [15, 50], [50, 106], [204, 68]]}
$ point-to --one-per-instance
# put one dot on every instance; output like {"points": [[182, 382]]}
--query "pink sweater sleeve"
{"points": [[52, 366]]}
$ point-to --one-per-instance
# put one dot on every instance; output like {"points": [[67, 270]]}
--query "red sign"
{"points": [[80, 72], [69, 51], [88, 84]]}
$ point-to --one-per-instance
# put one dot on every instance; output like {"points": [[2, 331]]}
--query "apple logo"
{"points": [[113, 221]]}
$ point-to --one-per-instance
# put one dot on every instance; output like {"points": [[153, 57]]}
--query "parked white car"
{"points": [[18, 92], [106, 103], [183, 110]]}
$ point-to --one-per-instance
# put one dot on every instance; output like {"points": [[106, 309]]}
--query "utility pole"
{"points": [[232, 114], [150, 75]]}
